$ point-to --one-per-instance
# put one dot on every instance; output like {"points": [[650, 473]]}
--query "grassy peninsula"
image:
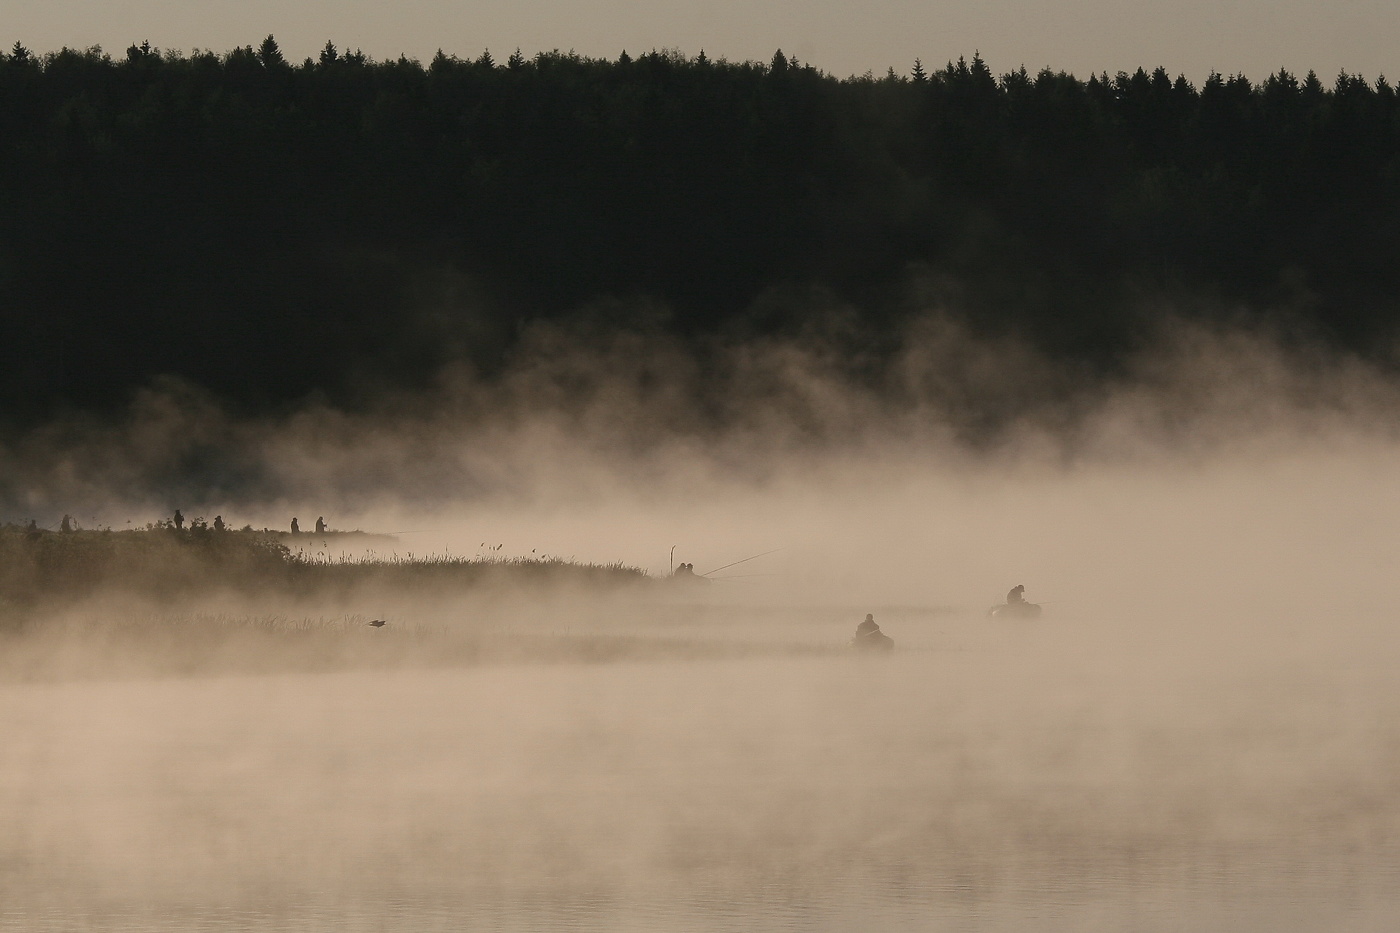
{"points": [[44, 569]]}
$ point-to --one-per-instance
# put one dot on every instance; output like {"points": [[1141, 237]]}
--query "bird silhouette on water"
{"points": [[378, 623]]}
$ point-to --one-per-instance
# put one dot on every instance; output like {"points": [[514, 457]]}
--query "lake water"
{"points": [[1075, 774]]}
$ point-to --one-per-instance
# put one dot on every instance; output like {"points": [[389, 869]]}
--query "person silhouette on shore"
{"points": [[321, 525], [179, 520], [296, 530], [218, 523], [67, 525]]}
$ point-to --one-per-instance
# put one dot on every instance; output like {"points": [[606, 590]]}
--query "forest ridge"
{"points": [[268, 229]]}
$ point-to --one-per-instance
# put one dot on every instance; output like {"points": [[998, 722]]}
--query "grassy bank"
{"points": [[46, 569]]}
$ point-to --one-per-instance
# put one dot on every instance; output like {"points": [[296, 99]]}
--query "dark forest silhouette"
{"points": [[269, 229]]}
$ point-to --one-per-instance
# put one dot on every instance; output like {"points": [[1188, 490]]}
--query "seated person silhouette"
{"points": [[869, 637], [1015, 606]]}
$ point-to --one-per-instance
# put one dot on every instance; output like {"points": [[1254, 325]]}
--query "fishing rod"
{"points": [[738, 562]]}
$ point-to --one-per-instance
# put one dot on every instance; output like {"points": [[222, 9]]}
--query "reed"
{"points": [[46, 568]]}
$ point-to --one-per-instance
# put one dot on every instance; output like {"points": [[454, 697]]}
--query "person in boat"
{"points": [[1015, 606], [868, 635]]}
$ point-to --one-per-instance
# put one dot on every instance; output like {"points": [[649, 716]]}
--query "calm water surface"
{"points": [[1075, 776]]}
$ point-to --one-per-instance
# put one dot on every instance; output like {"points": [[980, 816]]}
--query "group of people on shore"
{"points": [[178, 521]]}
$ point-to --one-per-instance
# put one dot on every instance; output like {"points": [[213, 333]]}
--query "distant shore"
{"points": [[41, 568]]}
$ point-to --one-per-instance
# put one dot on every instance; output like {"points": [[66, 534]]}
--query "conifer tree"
{"points": [[270, 55]]}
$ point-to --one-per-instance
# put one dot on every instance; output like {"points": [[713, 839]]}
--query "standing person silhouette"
{"points": [[179, 520], [295, 529], [321, 525]]}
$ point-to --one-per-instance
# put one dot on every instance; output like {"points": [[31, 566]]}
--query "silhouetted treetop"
{"points": [[270, 55]]}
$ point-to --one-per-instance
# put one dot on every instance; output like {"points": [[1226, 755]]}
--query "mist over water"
{"points": [[1202, 731]]}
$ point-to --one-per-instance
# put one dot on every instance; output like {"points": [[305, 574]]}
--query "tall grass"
{"points": [[46, 568]]}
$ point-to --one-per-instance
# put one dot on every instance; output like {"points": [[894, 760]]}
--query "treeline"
{"points": [[270, 229]]}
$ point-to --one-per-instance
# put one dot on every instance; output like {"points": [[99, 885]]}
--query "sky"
{"points": [[1253, 37]]}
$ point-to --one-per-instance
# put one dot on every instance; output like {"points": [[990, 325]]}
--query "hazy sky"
{"points": [[1191, 36]]}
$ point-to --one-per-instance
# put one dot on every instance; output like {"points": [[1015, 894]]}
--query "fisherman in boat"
{"points": [[868, 636], [1015, 607]]}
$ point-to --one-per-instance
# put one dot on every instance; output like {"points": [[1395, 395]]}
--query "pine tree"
{"points": [[1312, 87], [270, 55], [981, 74]]}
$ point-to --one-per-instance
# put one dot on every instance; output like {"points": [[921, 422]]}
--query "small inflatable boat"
{"points": [[1015, 611], [872, 641]]}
